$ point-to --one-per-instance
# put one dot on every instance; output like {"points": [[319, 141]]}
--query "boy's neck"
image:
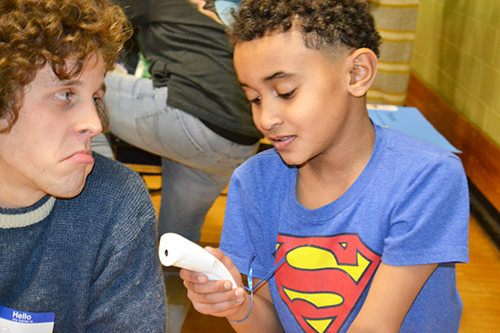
{"points": [[325, 179]]}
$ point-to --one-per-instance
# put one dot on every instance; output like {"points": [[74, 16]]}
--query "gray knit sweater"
{"points": [[91, 260]]}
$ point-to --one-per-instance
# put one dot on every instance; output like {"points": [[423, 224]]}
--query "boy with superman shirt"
{"points": [[370, 221]]}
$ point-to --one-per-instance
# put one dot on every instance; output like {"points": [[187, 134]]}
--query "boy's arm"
{"points": [[217, 298], [432, 214], [393, 290], [263, 316]]}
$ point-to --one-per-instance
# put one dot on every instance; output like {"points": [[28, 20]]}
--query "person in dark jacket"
{"points": [[191, 112]]}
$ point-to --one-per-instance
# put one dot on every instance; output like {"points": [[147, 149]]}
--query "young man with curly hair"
{"points": [[77, 231], [357, 226]]}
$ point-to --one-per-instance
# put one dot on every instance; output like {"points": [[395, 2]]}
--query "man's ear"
{"points": [[363, 64], [4, 124], [8, 121]]}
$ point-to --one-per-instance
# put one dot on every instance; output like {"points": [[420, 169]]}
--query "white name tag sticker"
{"points": [[13, 321]]}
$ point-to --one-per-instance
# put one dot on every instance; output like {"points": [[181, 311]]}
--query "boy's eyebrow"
{"points": [[275, 76], [279, 75]]}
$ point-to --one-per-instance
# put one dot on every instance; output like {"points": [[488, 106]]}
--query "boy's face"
{"points": [[299, 95], [48, 149]]}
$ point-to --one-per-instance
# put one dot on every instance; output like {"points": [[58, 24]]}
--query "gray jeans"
{"points": [[196, 162]]}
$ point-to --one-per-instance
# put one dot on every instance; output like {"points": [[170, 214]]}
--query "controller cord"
{"points": [[250, 287]]}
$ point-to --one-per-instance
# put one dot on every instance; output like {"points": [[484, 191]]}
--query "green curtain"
{"points": [[395, 21]]}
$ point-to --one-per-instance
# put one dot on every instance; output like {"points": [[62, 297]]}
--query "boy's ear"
{"points": [[363, 64]]}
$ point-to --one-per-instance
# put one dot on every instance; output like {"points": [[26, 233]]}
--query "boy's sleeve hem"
{"points": [[458, 254]]}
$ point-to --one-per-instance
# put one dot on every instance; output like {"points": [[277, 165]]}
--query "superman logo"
{"points": [[323, 278]]}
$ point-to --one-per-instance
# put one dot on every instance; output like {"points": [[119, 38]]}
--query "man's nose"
{"points": [[89, 122]]}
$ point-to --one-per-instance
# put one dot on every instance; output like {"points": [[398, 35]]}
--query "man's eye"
{"points": [[65, 96]]}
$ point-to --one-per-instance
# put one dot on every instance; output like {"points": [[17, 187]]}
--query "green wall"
{"points": [[457, 53]]}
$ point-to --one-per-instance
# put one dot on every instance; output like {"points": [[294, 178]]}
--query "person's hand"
{"points": [[216, 298]]}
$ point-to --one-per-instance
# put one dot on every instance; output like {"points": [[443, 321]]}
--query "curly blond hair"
{"points": [[36, 33]]}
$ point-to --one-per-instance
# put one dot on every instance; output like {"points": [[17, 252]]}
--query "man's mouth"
{"points": [[83, 156]]}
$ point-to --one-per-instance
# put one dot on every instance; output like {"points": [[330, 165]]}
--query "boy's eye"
{"points": [[287, 95], [255, 100]]}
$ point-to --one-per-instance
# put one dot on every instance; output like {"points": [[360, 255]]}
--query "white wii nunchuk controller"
{"points": [[175, 250]]}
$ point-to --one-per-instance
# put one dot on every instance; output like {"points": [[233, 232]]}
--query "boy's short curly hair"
{"points": [[323, 23], [36, 33]]}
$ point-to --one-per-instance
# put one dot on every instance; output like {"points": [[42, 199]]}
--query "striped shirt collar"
{"points": [[23, 217]]}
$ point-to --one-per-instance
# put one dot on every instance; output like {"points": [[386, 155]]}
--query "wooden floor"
{"points": [[478, 281]]}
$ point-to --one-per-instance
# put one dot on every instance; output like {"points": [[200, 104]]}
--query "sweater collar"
{"points": [[23, 217]]}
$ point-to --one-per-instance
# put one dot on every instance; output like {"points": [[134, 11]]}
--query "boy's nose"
{"points": [[267, 117], [90, 122]]}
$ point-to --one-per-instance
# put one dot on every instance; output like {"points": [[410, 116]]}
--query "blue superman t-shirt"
{"points": [[408, 207]]}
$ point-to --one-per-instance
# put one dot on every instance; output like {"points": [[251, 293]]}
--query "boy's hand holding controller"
{"points": [[217, 298], [214, 284]]}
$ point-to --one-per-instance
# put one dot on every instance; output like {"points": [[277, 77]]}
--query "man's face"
{"points": [[48, 149], [299, 95]]}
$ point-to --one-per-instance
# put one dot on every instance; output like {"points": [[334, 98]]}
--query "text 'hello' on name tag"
{"points": [[14, 321]]}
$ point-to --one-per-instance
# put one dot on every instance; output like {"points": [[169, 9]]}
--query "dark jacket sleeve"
{"points": [[136, 10]]}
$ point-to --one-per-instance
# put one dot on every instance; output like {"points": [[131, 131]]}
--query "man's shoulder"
{"points": [[117, 195], [114, 184], [107, 172]]}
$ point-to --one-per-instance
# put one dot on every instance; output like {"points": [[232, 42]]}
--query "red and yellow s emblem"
{"points": [[323, 278]]}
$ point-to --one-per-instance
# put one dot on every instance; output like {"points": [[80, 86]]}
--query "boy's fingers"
{"points": [[218, 309], [215, 252], [214, 298], [225, 260], [217, 304], [210, 287], [219, 254], [193, 277]]}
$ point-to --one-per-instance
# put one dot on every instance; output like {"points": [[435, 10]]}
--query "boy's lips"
{"points": [[282, 142]]}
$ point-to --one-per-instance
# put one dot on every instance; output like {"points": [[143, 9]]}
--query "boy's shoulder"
{"points": [[268, 160], [413, 148], [264, 170], [408, 158]]}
